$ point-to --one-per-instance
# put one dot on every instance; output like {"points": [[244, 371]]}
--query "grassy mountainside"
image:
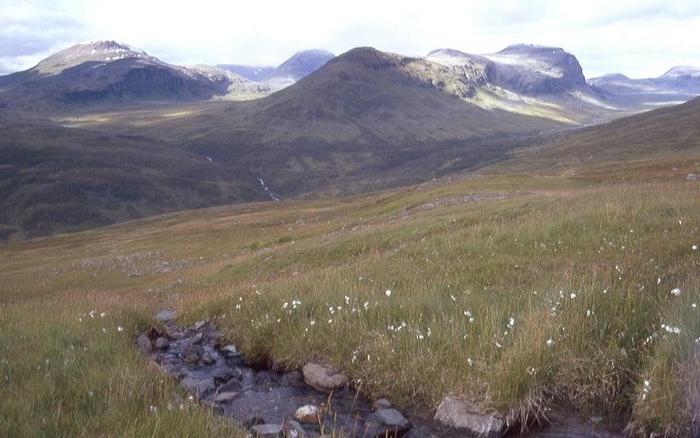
{"points": [[361, 123], [519, 293], [659, 134], [57, 179]]}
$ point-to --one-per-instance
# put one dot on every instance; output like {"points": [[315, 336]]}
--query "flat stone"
{"points": [[382, 403], [323, 378], [267, 430], [309, 414], [197, 338], [459, 414], [165, 315], [199, 325], [143, 343], [223, 397], [162, 343]]}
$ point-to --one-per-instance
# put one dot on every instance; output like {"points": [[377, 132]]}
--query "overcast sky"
{"points": [[640, 38]]}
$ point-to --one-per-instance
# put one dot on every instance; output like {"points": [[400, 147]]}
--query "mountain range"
{"points": [[102, 132], [676, 85]]}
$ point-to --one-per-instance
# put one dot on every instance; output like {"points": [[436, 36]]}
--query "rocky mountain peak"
{"points": [[97, 51]]}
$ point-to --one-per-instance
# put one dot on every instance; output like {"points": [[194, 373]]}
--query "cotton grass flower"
{"points": [[676, 292], [388, 292]]}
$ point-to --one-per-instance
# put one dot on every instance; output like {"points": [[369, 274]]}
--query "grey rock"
{"points": [[197, 338], [382, 403], [199, 325], [459, 414], [393, 419], [323, 378], [143, 343], [165, 315], [267, 430], [691, 177], [162, 343]]}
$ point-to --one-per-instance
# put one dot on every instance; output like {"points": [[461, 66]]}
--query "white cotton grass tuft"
{"points": [[676, 292], [388, 292]]}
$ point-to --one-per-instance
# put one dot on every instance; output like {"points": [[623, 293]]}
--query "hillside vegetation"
{"points": [[519, 293]]}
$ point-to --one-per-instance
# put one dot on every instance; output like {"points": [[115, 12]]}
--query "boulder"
{"points": [[459, 414], [309, 414], [323, 378]]}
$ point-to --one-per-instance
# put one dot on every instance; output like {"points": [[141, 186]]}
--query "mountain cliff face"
{"points": [[533, 70], [524, 69]]}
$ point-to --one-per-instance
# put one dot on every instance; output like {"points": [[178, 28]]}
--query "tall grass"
{"points": [[556, 294]]}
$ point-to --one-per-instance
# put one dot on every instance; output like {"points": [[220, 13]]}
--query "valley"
{"points": [[494, 232]]}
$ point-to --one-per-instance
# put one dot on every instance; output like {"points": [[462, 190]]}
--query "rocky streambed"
{"points": [[312, 402]]}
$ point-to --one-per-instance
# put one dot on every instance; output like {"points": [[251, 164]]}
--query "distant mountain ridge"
{"points": [[679, 83], [522, 78], [107, 73], [297, 67], [250, 72]]}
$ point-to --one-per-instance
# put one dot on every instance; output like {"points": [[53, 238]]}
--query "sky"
{"points": [[640, 38]]}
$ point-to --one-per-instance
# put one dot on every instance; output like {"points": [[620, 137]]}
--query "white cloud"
{"points": [[639, 38]]}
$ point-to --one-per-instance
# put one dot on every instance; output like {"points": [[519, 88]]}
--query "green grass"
{"points": [[570, 260], [65, 373]]}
